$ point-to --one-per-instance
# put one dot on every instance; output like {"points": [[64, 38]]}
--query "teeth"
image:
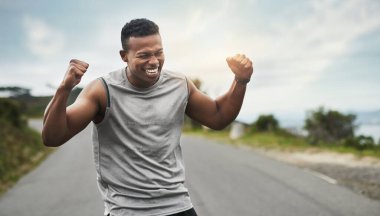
{"points": [[152, 71]]}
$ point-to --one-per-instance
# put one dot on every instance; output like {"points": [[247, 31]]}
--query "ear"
{"points": [[123, 55]]}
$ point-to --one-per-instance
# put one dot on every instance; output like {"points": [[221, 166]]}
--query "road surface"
{"points": [[223, 180]]}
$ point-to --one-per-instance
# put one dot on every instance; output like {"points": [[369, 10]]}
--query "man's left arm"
{"points": [[219, 113]]}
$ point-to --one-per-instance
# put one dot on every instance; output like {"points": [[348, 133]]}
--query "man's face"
{"points": [[145, 58]]}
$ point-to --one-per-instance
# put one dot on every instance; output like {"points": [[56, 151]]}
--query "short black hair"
{"points": [[137, 28]]}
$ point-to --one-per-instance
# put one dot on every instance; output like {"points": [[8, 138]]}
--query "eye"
{"points": [[143, 56], [159, 53]]}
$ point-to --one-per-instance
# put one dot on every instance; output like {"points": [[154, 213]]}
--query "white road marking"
{"points": [[324, 177]]}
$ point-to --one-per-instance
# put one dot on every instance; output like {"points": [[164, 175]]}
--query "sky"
{"points": [[306, 54]]}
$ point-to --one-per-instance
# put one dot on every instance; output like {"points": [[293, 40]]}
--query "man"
{"points": [[138, 112]]}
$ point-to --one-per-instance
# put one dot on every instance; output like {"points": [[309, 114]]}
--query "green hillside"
{"points": [[21, 148]]}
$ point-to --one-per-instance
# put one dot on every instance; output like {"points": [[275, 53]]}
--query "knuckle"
{"points": [[71, 68], [72, 65]]}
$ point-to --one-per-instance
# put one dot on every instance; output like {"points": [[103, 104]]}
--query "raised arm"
{"points": [[61, 122], [219, 113]]}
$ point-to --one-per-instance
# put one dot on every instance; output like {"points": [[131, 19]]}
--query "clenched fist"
{"points": [[241, 66], [74, 74]]}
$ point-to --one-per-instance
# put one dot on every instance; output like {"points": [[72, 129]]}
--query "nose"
{"points": [[153, 60]]}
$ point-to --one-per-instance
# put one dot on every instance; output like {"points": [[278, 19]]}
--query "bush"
{"points": [[266, 123], [360, 142], [18, 147], [10, 112], [329, 126]]}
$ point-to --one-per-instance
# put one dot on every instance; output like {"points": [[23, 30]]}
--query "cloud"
{"points": [[42, 40], [300, 51], [293, 47], [34, 75], [293, 51], [202, 18]]}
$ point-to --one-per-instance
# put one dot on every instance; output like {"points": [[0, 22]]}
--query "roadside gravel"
{"points": [[362, 175], [363, 180]]}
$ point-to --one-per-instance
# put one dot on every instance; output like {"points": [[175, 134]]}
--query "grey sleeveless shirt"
{"points": [[137, 150]]}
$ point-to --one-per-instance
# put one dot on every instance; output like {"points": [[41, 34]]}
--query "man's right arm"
{"points": [[61, 122]]}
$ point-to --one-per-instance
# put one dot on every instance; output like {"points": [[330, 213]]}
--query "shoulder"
{"points": [[168, 74], [175, 79], [94, 95], [114, 77], [93, 90]]}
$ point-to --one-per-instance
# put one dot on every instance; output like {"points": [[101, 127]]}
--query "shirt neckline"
{"points": [[129, 84]]}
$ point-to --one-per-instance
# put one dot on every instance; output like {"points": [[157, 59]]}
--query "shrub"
{"points": [[329, 126], [360, 142], [266, 123], [10, 112]]}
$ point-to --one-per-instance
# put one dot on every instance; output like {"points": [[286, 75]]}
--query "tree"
{"points": [[329, 126], [266, 123]]}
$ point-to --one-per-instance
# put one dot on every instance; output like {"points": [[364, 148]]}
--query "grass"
{"points": [[21, 147], [21, 150], [282, 141]]}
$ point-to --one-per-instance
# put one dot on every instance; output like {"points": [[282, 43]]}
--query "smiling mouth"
{"points": [[152, 72]]}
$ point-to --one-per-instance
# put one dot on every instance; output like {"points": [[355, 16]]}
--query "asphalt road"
{"points": [[223, 181]]}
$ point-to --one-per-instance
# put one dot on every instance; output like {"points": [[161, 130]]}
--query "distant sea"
{"points": [[369, 124], [372, 130]]}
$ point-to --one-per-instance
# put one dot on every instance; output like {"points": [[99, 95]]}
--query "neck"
{"points": [[136, 81]]}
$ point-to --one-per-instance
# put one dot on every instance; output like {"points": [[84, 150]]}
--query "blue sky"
{"points": [[306, 53]]}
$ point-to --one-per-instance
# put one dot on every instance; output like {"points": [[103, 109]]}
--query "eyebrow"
{"points": [[147, 53]]}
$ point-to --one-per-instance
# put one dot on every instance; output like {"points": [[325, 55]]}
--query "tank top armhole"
{"points": [[107, 91], [187, 86], [105, 85]]}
